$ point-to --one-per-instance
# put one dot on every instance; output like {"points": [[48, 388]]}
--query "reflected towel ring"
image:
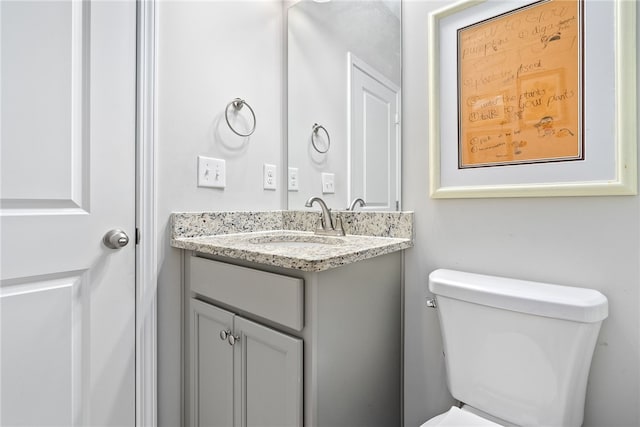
{"points": [[237, 105], [315, 129]]}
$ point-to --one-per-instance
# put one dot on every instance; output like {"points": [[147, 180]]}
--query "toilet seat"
{"points": [[456, 417]]}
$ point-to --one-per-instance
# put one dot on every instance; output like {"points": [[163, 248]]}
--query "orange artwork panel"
{"points": [[520, 86]]}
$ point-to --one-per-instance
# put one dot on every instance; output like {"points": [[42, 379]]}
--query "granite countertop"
{"points": [[275, 238]]}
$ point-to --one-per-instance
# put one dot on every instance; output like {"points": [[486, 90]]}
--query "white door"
{"points": [[374, 123], [67, 177]]}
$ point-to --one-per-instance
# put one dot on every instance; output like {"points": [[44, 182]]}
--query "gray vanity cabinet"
{"points": [[348, 319], [242, 373], [212, 372]]}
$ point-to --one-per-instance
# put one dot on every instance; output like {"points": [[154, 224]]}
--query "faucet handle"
{"points": [[338, 226], [337, 229]]}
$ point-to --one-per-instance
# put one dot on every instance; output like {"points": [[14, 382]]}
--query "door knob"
{"points": [[115, 239]]}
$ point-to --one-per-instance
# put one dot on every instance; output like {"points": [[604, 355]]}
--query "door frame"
{"points": [[146, 211]]}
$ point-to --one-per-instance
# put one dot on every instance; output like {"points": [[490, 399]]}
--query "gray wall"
{"points": [[583, 241], [209, 53]]}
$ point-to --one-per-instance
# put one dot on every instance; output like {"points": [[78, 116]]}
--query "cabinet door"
{"points": [[269, 387], [211, 366]]}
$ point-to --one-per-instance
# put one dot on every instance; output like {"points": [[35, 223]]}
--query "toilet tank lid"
{"points": [[541, 299]]}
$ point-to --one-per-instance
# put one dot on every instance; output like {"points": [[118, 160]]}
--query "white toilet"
{"points": [[516, 352]]}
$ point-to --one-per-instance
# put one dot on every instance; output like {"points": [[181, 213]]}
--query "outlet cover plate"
{"points": [[269, 176], [294, 184], [211, 172]]}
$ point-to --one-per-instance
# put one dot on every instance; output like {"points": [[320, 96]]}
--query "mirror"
{"points": [[344, 79]]}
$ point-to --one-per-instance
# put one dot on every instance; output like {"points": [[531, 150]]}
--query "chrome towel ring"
{"points": [[316, 127], [237, 104]]}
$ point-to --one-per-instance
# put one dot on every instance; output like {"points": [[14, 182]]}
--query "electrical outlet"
{"points": [[211, 172], [269, 176], [328, 183], [294, 185]]}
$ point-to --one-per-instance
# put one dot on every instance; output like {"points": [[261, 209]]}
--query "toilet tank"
{"points": [[515, 349]]}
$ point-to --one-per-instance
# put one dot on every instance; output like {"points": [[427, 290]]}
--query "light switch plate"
{"points": [[269, 176], [328, 183], [211, 172], [294, 184]]}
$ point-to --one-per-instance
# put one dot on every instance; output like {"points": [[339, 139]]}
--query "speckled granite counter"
{"points": [[285, 238]]}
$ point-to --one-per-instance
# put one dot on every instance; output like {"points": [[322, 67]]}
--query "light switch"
{"points": [[211, 172], [328, 183]]}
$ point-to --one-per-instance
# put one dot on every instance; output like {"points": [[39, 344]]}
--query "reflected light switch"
{"points": [[328, 183]]}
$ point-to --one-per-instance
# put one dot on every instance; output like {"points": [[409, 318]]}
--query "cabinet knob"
{"points": [[233, 339], [224, 335]]}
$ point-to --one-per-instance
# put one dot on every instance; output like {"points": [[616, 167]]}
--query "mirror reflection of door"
{"points": [[374, 123]]}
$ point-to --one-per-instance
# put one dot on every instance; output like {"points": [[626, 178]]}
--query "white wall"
{"points": [[592, 242], [209, 53]]}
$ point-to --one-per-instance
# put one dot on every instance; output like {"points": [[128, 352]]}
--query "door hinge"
{"points": [[397, 205], [137, 236]]}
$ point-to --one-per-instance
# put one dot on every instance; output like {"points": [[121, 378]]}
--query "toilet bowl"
{"points": [[459, 417], [499, 334]]}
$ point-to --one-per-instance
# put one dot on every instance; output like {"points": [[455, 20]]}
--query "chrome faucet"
{"points": [[325, 225], [357, 201]]}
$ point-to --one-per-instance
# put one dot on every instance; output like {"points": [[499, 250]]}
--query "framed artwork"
{"points": [[533, 98]]}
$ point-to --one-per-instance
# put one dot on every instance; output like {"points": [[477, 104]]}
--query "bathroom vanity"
{"points": [[286, 328]]}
